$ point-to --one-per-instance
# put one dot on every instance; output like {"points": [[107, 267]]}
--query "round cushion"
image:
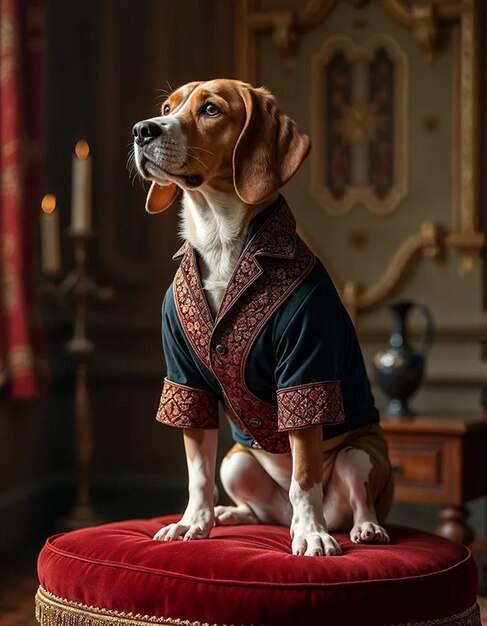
{"points": [[246, 575]]}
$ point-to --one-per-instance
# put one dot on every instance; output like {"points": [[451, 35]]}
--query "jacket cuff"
{"points": [[187, 407], [310, 405]]}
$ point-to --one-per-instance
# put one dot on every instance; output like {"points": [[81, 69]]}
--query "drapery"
{"points": [[21, 65]]}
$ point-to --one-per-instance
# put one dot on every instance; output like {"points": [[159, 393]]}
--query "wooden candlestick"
{"points": [[80, 285]]}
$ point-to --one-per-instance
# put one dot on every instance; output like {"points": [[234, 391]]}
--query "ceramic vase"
{"points": [[399, 369]]}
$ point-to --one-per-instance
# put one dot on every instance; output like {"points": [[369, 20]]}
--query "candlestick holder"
{"points": [[80, 285]]}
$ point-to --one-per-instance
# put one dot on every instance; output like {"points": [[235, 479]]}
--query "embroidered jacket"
{"points": [[281, 354]]}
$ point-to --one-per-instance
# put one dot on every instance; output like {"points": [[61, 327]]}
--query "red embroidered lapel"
{"points": [[276, 238], [270, 269], [191, 304]]}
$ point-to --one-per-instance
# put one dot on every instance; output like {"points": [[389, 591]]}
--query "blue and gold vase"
{"points": [[399, 369]]}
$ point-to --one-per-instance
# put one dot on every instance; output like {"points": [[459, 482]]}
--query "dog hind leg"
{"points": [[258, 498], [362, 481]]}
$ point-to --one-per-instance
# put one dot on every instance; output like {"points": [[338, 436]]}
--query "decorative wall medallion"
{"points": [[359, 125], [431, 123], [358, 238], [359, 22]]}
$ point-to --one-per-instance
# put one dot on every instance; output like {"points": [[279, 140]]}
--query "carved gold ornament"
{"points": [[427, 243]]}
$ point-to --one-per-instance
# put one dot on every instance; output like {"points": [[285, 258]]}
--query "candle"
{"points": [[81, 189], [50, 240]]}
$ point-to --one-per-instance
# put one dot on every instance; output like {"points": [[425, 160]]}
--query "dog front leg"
{"points": [[308, 527], [198, 519]]}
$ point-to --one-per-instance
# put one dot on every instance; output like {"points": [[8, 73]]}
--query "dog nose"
{"points": [[145, 132]]}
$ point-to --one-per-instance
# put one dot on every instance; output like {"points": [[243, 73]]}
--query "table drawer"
{"points": [[416, 465]]}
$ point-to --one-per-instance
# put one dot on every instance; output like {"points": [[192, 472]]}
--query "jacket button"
{"points": [[221, 350], [255, 422]]}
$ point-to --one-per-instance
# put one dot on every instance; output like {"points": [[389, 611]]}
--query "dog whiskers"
{"points": [[164, 93], [130, 160], [199, 160], [190, 151], [132, 168], [202, 149]]}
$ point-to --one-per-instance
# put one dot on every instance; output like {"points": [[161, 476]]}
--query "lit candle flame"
{"points": [[48, 203], [82, 149]]}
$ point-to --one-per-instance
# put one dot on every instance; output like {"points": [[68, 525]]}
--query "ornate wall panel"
{"points": [[395, 164], [359, 121]]}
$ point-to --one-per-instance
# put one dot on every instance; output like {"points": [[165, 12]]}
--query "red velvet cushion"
{"points": [[247, 575]]}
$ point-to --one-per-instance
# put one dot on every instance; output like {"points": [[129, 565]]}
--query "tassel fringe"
{"points": [[470, 617], [54, 611]]}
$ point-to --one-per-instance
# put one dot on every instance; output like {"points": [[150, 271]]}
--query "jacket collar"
{"points": [[274, 244], [271, 234]]}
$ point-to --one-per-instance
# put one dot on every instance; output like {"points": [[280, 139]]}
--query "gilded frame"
{"points": [[425, 22]]}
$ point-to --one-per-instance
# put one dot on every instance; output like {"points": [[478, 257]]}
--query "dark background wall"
{"points": [[107, 62]]}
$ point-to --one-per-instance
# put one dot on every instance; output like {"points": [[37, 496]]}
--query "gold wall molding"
{"points": [[466, 236], [360, 194], [425, 21], [427, 243], [286, 25]]}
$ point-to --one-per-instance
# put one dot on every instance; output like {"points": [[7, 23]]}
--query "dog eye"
{"points": [[166, 109], [210, 109]]}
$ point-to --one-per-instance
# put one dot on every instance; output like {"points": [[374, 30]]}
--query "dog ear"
{"points": [[269, 150], [160, 197]]}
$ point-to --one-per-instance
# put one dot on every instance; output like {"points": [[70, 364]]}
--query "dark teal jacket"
{"points": [[281, 354]]}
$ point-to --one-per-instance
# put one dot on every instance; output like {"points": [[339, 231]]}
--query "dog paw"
{"points": [[234, 515], [316, 544], [181, 532], [193, 525], [369, 532]]}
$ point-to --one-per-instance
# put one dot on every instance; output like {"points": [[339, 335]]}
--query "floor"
{"points": [[18, 584]]}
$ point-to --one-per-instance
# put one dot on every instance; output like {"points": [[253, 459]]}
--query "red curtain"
{"points": [[21, 64]]}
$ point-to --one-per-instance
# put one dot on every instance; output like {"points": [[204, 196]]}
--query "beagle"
{"points": [[252, 320]]}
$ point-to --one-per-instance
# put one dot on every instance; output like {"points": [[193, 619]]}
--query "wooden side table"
{"points": [[441, 460]]}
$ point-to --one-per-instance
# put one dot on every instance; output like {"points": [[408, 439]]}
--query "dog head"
{"points": [[222, 133]]}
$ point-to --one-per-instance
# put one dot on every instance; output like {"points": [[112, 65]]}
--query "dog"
{"points": [[253, 320]]}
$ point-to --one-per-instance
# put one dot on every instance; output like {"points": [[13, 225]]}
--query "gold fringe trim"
{"points": [[54, 611], [470, 617]]}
